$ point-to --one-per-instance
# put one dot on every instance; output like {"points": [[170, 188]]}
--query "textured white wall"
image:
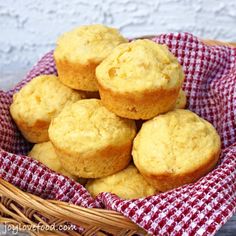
{"points": [[29, 28]]}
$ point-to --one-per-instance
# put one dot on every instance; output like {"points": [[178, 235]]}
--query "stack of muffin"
{"points": [[84, 121]]}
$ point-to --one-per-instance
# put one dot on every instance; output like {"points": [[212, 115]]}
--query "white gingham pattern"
{"points": [[195, 209]]}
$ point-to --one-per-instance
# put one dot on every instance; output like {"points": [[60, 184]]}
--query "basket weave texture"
{"points": [[43, 197]]}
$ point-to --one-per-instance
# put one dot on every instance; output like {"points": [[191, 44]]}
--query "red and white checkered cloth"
{"points": [[195, 209]]}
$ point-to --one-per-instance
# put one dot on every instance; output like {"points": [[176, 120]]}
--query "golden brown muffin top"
{"points": [[140, 65], [87, 125], [41, 99], [175, 143], [88, 44]]}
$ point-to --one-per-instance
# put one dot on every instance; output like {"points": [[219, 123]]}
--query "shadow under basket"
{"points": [[27, 211]]}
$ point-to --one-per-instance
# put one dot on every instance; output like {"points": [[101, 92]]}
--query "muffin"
{"points": [[181, 100], [79, 51], [45, 153], [91, 141], [175, 148], [37, 103], [139, 80], [127, 184]]}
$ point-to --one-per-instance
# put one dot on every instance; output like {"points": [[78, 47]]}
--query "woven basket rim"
{"points": [[110, 220]]}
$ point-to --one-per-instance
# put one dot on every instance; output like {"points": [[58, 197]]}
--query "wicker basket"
{"points": [[18, 208]]}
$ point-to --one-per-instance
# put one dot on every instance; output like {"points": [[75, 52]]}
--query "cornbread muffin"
{"points": [[45, 153], [139, 80], [37, 103], [79, 51], [176, 148], [127, 184], [181, 100], [91, 141]]}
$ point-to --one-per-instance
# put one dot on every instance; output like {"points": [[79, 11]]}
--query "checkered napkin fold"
{"points": [[194, 209]]}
